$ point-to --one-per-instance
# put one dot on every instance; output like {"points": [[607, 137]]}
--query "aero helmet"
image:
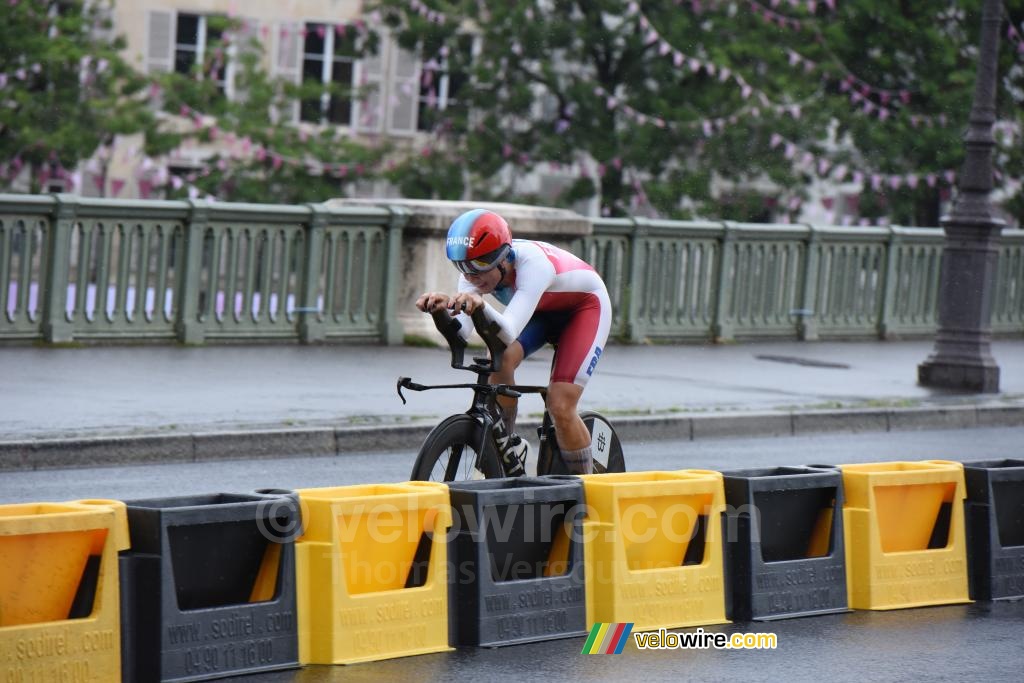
{"points": [[478, 241]]}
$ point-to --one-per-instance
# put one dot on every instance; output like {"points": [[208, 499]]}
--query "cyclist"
{"points": [[550, 295]]}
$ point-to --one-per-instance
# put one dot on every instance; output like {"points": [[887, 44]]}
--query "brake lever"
{"points": [[408, 384]]}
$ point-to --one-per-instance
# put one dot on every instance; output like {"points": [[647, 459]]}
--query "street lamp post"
{"points": [[962, 357]]}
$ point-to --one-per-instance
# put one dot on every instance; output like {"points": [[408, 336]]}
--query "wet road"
{"points": [[138, 481]]}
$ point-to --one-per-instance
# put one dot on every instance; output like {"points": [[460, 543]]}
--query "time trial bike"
{"points": [[466, 445]]}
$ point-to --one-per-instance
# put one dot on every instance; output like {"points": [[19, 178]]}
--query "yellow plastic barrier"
{"points": [[904, 527], [653, 548], [59, 590], [372, 572]]}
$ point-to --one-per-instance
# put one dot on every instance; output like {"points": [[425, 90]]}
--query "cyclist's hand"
{"points": [[466, 301], [432, 301]]}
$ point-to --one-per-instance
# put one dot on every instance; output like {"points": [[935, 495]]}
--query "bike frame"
{"points": [[484, 406]]}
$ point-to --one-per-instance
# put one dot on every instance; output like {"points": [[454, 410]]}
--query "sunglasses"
{"points": [[477, 266]]}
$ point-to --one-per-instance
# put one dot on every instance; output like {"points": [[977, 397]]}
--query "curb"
{"points": [[33, 454]]}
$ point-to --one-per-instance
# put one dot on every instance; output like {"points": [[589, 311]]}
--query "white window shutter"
{"points": [[368, 106], [405, 92], [242, 45], [288, 59], [160, 48]]}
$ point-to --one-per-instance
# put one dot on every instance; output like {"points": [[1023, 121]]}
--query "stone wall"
{"points": [[425, 267]]}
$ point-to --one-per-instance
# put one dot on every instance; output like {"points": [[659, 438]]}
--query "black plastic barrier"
{"points": [[784, 542], [516, 561], [995, 528], [208, 587]]}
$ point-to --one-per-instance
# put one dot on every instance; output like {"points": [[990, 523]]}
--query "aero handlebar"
{"points": [[488, 330]]}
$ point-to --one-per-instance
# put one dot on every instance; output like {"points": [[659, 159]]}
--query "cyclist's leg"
{"points": [[530, 339], [511, 359], [563, 399], [579, 348]]}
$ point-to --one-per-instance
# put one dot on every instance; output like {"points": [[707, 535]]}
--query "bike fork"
{"points": [[485, 434]]}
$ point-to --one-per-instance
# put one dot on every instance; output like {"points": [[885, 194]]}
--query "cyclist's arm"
{"points": [[533, 277]]}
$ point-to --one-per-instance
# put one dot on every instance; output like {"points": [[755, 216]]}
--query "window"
{"points": [[195, 35], [442, 80], [328, 58]]}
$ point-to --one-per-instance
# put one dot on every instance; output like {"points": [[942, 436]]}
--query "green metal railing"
{"points": [[697, 280], [74, 269]]}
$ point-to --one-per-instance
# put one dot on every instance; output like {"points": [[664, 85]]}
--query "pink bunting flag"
{"points": [[116, 185]]}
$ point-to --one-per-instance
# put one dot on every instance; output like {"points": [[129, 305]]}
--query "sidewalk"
{"points": [[105, 405]]}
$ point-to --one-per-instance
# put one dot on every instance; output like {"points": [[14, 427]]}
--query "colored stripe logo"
{"points": [[607, 639]]}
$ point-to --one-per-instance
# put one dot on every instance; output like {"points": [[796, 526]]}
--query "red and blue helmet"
{"points": [[478, 241]]}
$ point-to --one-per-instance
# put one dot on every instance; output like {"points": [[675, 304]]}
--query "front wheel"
{"points": [[451, 452]]}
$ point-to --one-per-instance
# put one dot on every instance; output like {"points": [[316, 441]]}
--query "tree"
{"points": [[64, 89], [713, 108]]}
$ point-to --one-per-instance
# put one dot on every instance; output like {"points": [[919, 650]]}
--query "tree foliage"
{"points": [[64, 89], [716, 107]]}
